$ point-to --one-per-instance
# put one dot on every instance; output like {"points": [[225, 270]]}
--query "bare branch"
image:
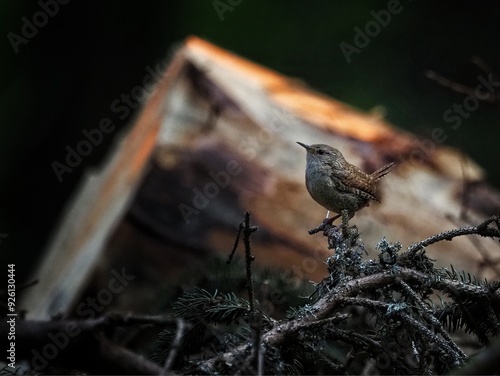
{"points": [[174, 347], [483, 230], [459, 88], [129, 361]]}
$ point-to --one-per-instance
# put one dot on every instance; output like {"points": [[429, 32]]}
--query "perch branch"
{"points": [[338, 297]]}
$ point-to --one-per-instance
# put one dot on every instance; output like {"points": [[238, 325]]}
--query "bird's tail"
{"points": [[381, 172]]}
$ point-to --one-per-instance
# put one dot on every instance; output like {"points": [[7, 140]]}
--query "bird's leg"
{"points": [[325, 225], [330, 220]]}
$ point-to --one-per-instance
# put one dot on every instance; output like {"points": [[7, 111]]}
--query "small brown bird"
{"points": [[338, 185]]}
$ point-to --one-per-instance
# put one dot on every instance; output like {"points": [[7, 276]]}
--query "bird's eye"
{"points": [[321, 152]]}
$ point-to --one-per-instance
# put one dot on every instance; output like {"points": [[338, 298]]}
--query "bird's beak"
{"points": [[307, 147]]}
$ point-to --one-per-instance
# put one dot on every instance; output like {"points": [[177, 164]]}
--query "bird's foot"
{"points": [[326, 225]]}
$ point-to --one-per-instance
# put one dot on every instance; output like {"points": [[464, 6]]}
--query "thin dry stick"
{"points": [[459, 88], [446, 82], [247, 231], [481, 64], [174, 347], [127, 359], [114, 318], [256, 319], [236, 242], [482, 230]]}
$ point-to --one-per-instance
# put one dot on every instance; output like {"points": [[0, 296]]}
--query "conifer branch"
{"points": [[351, 280]]}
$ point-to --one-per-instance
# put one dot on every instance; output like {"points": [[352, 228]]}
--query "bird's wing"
{"points": [[353, 180]]}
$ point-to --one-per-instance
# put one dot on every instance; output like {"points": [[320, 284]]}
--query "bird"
{"points": [[338, 185]]}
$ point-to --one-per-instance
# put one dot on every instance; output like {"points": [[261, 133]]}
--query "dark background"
{"points": [[64, 79]]}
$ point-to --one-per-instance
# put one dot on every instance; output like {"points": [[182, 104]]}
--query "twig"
{"points": [[247, 231], [174, 347], [486, 260], [256, 318], [100, 353], [261, 354], [114, 318], [428, 314], [459, 88], [450, 84], [447, 343], [482, 230], [236, 242], [459, 357], [481, 64], [353, 338], [324, 226], [129, 361]]}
